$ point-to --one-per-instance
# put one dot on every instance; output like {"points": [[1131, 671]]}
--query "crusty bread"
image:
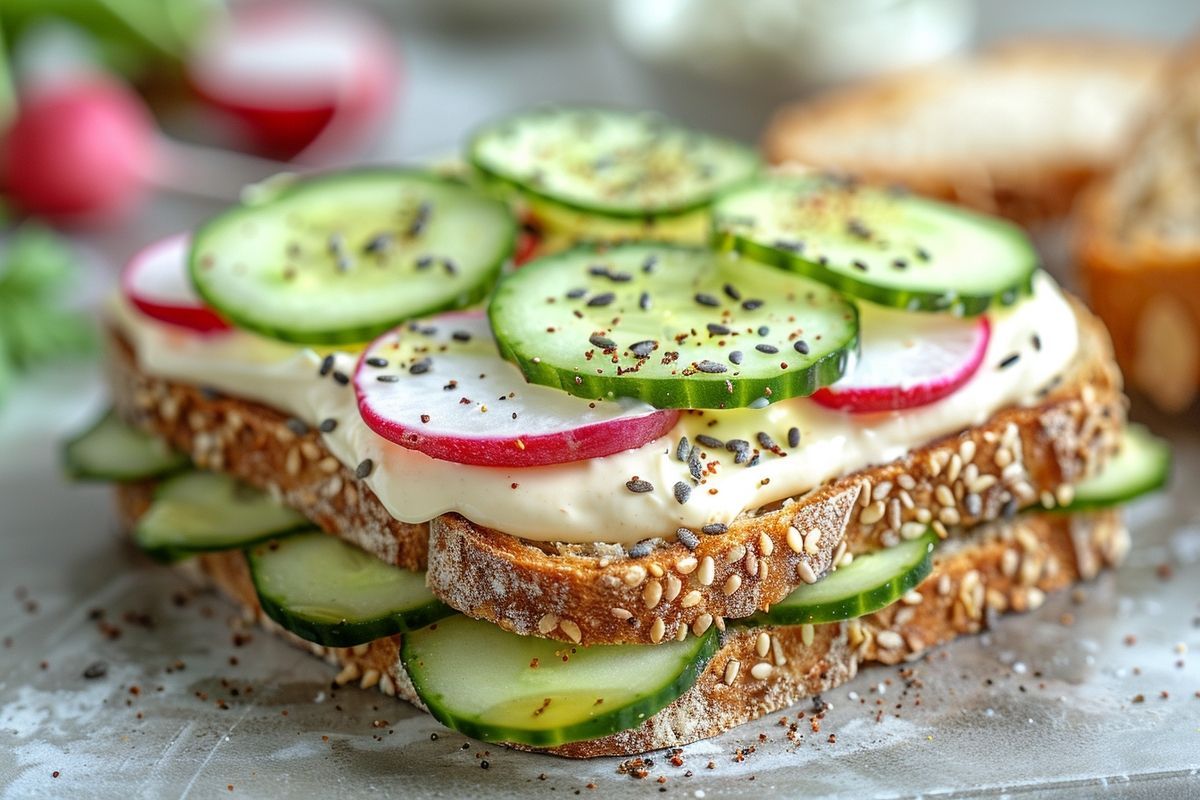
{"points": [[1018, 458], [1138, 245], [1016, 131], [1002, 566]]}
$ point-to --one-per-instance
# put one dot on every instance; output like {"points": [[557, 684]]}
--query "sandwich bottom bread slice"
{"points": [[1003, 566]]}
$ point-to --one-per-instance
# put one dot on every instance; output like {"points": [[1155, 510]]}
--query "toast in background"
{"points": [[1138, 244], [1017, 130]]}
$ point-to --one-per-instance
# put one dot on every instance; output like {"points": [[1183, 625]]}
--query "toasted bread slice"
{"points": [[1138, 245], [1015, 131], [1019, 457], [1002, 566]]}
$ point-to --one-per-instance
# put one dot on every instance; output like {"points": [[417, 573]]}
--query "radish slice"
{"points": [[302, 77], [440, 386], [908, 360], [156, 282]]}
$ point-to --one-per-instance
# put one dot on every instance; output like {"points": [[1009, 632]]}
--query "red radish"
{"points": [[156, 281], [440, 386], [79, 150], [527, 244], [909, 360], [301, 77]]}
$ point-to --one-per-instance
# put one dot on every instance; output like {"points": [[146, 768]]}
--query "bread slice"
{"points": [[1015, 131], [1002, 566], [1138, 245], [1019, 457]]}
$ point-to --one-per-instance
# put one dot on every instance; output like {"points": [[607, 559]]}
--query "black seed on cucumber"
{"points": [[687, 286], [332, 593], [939, 257], [285, 265], [111, 450], [871, 582]]}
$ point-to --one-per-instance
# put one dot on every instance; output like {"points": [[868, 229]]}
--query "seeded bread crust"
{"points": [[1138, 245], [933, 129], [1002, 566], [1018, 458]]}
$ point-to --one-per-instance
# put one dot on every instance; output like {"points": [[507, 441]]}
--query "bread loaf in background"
{"points": [[1017, 130]]}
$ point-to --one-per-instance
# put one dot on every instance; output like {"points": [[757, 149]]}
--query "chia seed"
{"points": [[328, 425], [710, 367], [364, 468], [326, 366], [601, 300], [603, 342], [688, 538], [643, 349], [296, 426], [682, 492], [375, 361], [639, 486], [769, 349], [793, 437], [801, 347], [707, 300], [715, 529], [735, 357]]}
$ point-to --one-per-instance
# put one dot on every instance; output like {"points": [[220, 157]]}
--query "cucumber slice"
{"points": [[110, 450], [608, 163], [501, 687], [879, 245], [330, 592], [343, 257], [675, 326], [199, 511], [1143, 465], [871, 582]]}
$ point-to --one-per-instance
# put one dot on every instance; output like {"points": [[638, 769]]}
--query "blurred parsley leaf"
{"points": [[36, 268]]}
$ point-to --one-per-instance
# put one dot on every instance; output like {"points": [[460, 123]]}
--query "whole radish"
{"points": [[79, 149]]}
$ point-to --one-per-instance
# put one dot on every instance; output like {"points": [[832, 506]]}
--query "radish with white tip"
{"points": [[908, 360], [156, 282], [440, 386]]}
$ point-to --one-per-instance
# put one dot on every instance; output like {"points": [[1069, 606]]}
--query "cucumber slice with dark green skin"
{"points": [[343, 257], [203, 511], [608, 163], [675, 326], [111, 450], [879, 245], [332, 593], [871, 582], [501, 687], [1143, 465]]}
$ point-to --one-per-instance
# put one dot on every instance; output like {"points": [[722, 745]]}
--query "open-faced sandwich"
{"points": [[722, 439]]}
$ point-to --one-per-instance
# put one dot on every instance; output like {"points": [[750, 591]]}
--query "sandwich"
{"points": [[723, 438]]}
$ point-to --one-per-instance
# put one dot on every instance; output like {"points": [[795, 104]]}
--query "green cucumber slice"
{"points": [[111, 450], [343, 257], [501, 687], [609, 163], [871, 582], [202, 511], [1143, 465], [332, 593], [657, 305], [879, 245]]}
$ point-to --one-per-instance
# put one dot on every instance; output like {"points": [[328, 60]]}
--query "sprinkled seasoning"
{"points": [[639, 486], [736, 357], [859, 265], [737, 445], [461, 336], [710, 367], [1009, 360], [421, 367], [424, 262], [715, 528], [801, 347], [688, 538], [1037, 342], [716, 329], [328, 425], [649, 264], [731, 292], [682, 492], [793, 437], [326, 366], [900, 263], [341, 377], [707, 300], [752, 305], [683, 450], [643, 349], [364, 468], [765, 441], [575, 294], [641, 549], [297, 426], [694, 465], [710, 441], [644, 301], [388, 378], [450, 267], [769, 349], [378, 244], [376, 361]]}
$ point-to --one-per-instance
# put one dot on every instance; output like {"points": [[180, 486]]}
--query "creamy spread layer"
{"points": [[588, 501]]}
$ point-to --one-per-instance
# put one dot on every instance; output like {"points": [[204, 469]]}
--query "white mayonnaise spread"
{"points": [[588, 501]]}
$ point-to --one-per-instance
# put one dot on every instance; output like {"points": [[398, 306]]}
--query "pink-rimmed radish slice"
{"points": [[440, 386], [301, 77], [908, 360], [156, 281]]}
